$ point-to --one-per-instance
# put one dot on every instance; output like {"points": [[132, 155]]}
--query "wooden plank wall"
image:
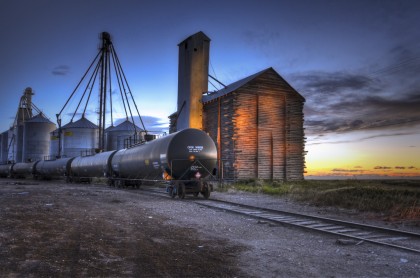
{"points": [[261, 130]]}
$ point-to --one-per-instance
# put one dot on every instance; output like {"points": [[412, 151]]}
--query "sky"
{"points": [[357, 63]]}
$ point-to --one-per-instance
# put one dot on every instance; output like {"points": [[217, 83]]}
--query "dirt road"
{"points": [[53, 229]]}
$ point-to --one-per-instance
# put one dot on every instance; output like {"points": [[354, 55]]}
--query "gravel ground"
{"points": [[53, 229]]}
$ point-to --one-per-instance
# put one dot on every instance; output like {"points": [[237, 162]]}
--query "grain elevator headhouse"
{"points": [[193, 71]]}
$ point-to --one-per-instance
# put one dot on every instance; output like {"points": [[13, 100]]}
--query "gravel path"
{"points": [[57, 229]]}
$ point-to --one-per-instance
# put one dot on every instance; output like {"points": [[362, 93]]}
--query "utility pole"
{"points": [[106, 43]]}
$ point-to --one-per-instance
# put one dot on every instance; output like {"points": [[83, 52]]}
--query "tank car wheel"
{"points": [[181, 189], [206, 191], [173, 190]]}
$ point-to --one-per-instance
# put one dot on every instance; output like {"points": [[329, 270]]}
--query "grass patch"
{"points": [[396, 198]]}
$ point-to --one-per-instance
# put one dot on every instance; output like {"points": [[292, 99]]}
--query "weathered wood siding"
{"points": [[261, 130]]}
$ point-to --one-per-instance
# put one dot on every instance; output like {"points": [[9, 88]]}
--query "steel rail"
{"points": [[361, 232]]}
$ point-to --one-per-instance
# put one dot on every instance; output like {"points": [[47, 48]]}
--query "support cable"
{"points": [[83, 77], [120, 86], [110, 92], [121, 74], [135, 105], [94, 75], [217, 81]]}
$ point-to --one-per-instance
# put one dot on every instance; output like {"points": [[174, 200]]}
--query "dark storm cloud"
{"points": [[323, 82], [61, 70], [341, 102], [389, 134]]}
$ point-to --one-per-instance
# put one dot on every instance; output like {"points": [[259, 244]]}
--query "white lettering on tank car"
{"points": [[163, 158], [195, 149], [156, 164], [195, 167]]}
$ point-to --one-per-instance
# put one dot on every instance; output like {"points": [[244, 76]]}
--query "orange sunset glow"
{"points": [[384, 156]]}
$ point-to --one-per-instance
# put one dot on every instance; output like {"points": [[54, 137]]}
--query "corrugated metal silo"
{"points": [[78, 137], [19, 142], [4, 146], [36, 138], [54, 143], [11, 155], [107, 137], [118, 135]]}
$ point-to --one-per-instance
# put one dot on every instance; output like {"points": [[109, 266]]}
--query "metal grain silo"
{"points": [[3, 146], [36, 138], [11, 155], [54, 143], [117, 137], [79, 137]]}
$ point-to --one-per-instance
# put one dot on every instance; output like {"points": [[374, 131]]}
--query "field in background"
{"points": [[397, 199]]}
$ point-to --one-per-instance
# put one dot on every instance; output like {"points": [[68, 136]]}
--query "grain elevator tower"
{"points": [[193, 71]]}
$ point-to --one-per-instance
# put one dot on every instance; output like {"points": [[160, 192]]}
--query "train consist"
{"points": [[186, 158]]}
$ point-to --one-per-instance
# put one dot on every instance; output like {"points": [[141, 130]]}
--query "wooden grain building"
{"points": [[256, 123]]}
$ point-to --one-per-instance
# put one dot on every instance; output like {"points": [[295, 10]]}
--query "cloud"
{"points": [[381, 96], [341, 170], [332, 82], [151, 123], [61, 70], [399, 167], [345, 104], [382, 168]]}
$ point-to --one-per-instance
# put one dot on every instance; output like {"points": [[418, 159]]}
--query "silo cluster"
{"points": [[28, 141], [123, 135]]}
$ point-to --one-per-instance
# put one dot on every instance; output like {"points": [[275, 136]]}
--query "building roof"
{"points": [[240, 83], [82, 123], [39, 118], [200, 33], [126, 126]]}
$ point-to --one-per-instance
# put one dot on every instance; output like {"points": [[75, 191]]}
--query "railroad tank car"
{"points": [[50, 169], [186, 156], [5, 170], [23, 169], [84, 168]]}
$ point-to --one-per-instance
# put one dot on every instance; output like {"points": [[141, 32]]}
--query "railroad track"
{"points": [[403, 240]]}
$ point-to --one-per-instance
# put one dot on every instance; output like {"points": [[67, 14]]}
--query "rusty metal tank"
{"points": [[78, 137], [182, 155], [50, 169], [36, 138], [126, 131]]}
